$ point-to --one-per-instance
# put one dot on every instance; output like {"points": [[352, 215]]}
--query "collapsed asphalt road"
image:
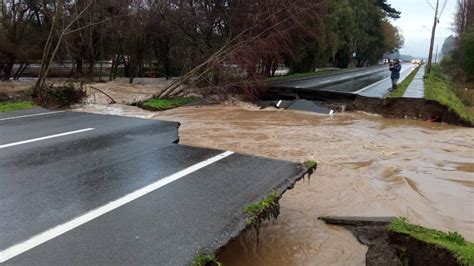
{"points": [[78, 188], [369, 82]]}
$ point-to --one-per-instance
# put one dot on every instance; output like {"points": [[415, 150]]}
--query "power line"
{"points": [[442, 10], [432, 7]]}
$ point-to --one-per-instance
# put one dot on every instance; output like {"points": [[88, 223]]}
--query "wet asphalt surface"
{"points": [[49, 182], [370, 82]]}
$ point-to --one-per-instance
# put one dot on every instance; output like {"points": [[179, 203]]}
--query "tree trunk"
{"points": [[22, 71], [167, 67], [7, 70], [19, 71], [79, 67]]}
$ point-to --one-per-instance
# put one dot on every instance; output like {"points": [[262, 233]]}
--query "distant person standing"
{"points": [[395, 68]]}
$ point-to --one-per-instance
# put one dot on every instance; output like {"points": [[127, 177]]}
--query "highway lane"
{"points": [[380, 89], [121, 192], [369, 82]]}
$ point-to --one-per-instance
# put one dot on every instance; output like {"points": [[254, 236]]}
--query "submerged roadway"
{"points": [[80, 189], [370, 82]]}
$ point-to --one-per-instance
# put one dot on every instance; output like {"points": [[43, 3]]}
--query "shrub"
{"points": [[61, 96]]}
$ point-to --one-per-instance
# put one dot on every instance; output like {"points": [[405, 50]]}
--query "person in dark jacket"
{"points": [[395, 68]]}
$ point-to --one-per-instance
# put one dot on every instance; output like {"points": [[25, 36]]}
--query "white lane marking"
{"points": [[44, 138], [58, 230], [374, 84], [371, 85], [24, 116]]}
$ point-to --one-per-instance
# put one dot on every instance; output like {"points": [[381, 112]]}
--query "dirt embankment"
{"points": [[420, 109], [386, 247]]}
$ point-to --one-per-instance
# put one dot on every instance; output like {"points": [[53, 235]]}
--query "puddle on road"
{"points": [[368, 166]]}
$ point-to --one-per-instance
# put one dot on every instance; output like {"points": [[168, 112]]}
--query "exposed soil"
{"points": [[375, 235], [417, 252], [427, 110], [390, 248]]}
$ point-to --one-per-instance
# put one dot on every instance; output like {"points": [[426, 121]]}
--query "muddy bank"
{"points": [[387, 247], [368, 166], [418, 109], [426, 110]]}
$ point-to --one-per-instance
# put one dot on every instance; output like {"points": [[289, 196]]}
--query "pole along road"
{"points": [[78, 189]]}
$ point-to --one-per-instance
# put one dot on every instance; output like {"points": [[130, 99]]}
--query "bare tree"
{"points": [[464, 16], [54, 41], [263, 32]]}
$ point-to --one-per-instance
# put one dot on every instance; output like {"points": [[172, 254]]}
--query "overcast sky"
{"points": [[416, 23]]}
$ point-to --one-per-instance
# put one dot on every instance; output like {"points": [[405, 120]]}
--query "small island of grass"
{"points": [[158, 104]]}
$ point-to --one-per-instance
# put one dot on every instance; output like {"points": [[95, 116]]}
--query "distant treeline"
{"points": [[173, 37], [459, 50]]}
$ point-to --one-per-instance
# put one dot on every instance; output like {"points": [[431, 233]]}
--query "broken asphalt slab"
{"points": [[298, 105], [72, 199], [309, 106]]}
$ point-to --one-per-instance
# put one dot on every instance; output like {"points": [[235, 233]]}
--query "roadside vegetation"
{"points": [[458, 63], [452, 241], [206, 260], [438, 87], [15, 106], [404, 85], [311, 165], [266, 209], [165, 104]]}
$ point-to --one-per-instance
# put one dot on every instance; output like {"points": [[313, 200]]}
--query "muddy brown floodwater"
{"points": [[368, 166]]}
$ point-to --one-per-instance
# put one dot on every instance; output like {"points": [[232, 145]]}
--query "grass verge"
{"points": [[438, 88], [452, 241], [265, 209], [308, 74], [170, 103], [204, 260], [15, 106], [404, 85]]}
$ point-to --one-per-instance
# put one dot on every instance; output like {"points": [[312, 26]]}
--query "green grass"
{"points": [[205, 259], [452, 241], [170, 103], [404, 85], [311, 164], [307, 75], [253, 211], [438, 88], [14, 106]]}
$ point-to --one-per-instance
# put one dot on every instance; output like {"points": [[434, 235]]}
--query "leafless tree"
{"points": [[464, 16]]}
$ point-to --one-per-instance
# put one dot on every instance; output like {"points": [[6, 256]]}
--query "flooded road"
{"points": [[368, 166]]}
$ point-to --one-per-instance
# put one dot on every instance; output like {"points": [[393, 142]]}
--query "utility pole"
{"points": [[2, 10], [433, 33]]}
